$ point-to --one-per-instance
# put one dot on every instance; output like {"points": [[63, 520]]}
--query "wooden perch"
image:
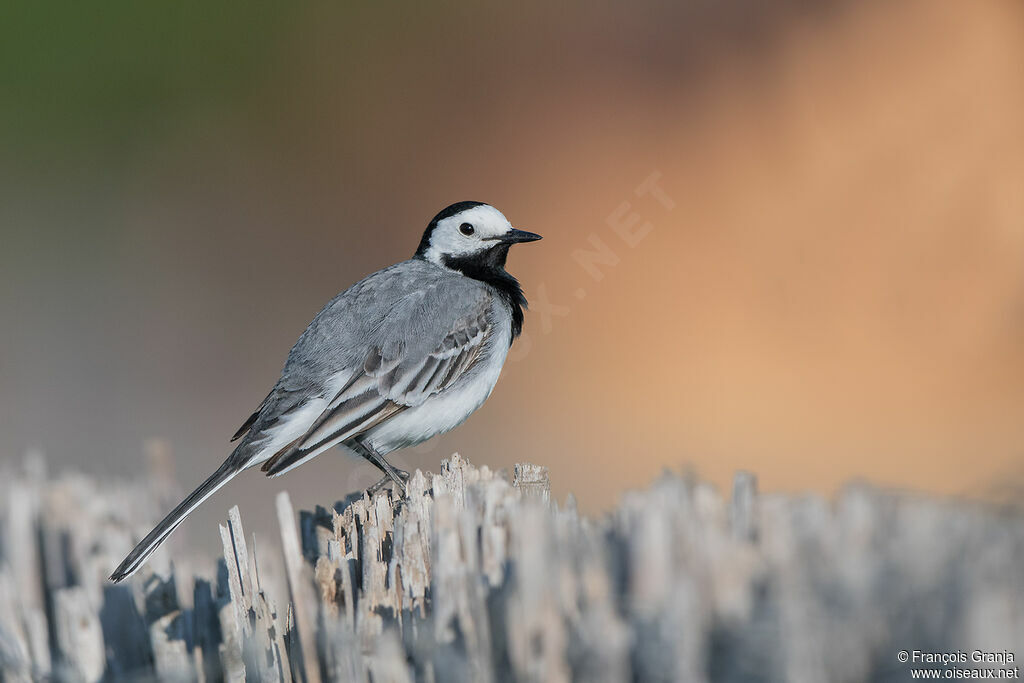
{"points": [[476, 577]]}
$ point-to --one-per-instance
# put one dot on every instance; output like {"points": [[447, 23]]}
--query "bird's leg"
{"points": [[381, 483], [399, 477], [385, 480]]}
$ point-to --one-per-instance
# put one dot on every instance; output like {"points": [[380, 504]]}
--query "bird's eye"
{"points": [[466, 229]]}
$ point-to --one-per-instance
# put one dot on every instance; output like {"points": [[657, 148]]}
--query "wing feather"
{"points": [[346, 420], [393, 376]]}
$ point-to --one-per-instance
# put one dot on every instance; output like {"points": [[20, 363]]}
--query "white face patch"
{"points": [[484, 224]]}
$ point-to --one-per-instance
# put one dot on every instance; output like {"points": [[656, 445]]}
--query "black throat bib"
{"points": [[489, 267]]}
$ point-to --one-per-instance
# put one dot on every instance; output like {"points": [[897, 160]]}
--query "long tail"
{"points": [[159, 534]]}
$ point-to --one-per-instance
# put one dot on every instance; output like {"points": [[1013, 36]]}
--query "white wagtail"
{"points": [[405, 354]]}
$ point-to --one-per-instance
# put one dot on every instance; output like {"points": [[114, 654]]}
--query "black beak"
{"points": [[514, 236]]}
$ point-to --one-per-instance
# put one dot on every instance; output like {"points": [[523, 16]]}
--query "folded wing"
{"points": [[415, 355]]}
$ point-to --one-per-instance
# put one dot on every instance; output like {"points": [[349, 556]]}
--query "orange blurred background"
{"points": [[828, 283]]}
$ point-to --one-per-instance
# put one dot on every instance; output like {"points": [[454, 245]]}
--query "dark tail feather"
{"points": [[245, 426], [159, 534]]}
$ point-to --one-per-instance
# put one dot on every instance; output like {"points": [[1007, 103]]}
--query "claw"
{"points": [[399, 483]]}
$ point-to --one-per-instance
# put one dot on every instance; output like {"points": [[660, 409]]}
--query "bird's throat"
{"points": [[489, 267]]}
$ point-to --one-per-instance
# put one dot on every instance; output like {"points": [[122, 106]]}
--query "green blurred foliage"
{"points": [[73, 72]]}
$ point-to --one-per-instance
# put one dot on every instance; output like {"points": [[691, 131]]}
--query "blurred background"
{"points": [[820, 277]]}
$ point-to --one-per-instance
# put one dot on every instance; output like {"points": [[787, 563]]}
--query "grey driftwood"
{"points": [[479, 576]]}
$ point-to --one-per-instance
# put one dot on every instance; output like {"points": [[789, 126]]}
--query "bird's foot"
{"points": [[397, 484]]}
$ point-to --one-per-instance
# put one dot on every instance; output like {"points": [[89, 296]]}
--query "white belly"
{"points": [[448, 409]]}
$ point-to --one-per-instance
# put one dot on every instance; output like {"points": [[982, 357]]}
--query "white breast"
{"points": [[451, 407]]}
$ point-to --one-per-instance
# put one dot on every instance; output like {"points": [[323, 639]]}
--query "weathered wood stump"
{"points": [[473, 577]]}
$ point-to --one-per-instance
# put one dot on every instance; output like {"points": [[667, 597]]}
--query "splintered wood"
{"points": [[478, 576]]}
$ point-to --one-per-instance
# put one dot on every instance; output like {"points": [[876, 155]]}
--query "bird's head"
{"points": [[470, 233]]}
